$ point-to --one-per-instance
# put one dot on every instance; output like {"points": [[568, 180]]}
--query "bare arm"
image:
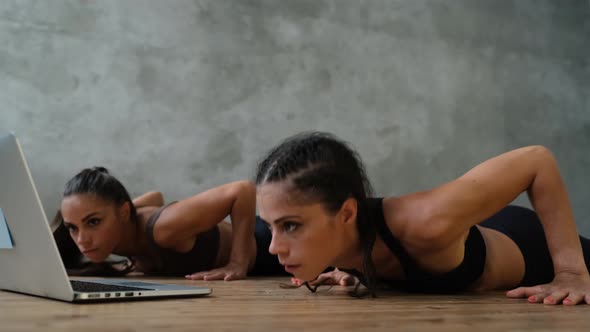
{"points": [[454, 207], [490, 186], [199, 213], [150, 198]]}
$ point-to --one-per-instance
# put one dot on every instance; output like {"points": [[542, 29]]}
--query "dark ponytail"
{"points": [[324, 169], [99, 182]]}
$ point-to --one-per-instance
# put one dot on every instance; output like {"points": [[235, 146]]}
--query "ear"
{"points": [[348, 211], [124, 210]]}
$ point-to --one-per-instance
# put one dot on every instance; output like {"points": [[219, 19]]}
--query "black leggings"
{"points": [[523, 226]]}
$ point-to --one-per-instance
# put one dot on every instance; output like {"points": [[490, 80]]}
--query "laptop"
{"points": [[29, 259]]}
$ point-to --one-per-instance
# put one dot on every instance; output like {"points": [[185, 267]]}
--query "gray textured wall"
{"points": [[184, 95]]}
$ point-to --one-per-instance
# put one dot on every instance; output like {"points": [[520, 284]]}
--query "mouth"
{"points": [[85, 252], [291, 268]]}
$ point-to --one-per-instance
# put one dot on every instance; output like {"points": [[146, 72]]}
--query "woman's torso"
{"points": [[150, 261], [503, 266]]}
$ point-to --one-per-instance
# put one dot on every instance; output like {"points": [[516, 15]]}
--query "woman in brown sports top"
{"points": [[185, 238]]}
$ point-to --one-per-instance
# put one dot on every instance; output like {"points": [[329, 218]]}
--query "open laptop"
{"points": [[29, 259]]}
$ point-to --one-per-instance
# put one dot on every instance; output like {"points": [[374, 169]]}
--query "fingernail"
{"points": [[549, 299], [532, 298], [567, 301]]}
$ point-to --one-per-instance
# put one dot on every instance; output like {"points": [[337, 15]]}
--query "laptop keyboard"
{"points": [[93, 287]]}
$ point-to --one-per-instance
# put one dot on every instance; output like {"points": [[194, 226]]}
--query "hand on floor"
{"points": [[232, 271], [567, 288], [335, 277]]}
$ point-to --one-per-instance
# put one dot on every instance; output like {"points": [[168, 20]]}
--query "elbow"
{"points": [[541, 153], [245, 188], [152, 198], [247, 184], [158, 197], [543, 160]]}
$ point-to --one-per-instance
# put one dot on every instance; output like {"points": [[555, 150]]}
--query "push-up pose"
{"points": [[185, 238], [313, 191]]}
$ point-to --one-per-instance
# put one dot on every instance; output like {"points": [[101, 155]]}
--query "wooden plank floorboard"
{"points": [[261, 305]]}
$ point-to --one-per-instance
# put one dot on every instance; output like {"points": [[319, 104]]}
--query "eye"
{"points": [[71, 228], [93, 222], [289, 226]]}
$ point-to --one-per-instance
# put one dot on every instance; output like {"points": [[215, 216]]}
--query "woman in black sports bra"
{"points": [[187, 238], [462, 236]]}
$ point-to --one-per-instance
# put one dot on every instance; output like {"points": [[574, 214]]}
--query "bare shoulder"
{"points": [[410, 219], [405, 214]]}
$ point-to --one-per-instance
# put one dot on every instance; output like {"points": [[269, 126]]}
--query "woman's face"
{"points": [[306, 238], [94, 224]]}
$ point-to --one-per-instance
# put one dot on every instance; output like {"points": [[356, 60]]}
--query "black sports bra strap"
{"points": [[376, 211], [149, 226]]}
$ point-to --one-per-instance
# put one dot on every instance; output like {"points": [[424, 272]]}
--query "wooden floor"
{"points": [[261, 305]]}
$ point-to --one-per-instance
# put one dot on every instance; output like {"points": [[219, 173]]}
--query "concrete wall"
{"points": [[184, 95]]}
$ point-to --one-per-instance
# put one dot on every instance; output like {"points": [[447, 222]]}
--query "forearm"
{"points": [[551, 202], [243, 219]]}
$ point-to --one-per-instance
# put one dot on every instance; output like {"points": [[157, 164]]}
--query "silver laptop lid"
{"points": [[33, 264]]}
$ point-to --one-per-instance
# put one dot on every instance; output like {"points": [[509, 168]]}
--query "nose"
{"points": [[83, 239], [277, 246]]}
